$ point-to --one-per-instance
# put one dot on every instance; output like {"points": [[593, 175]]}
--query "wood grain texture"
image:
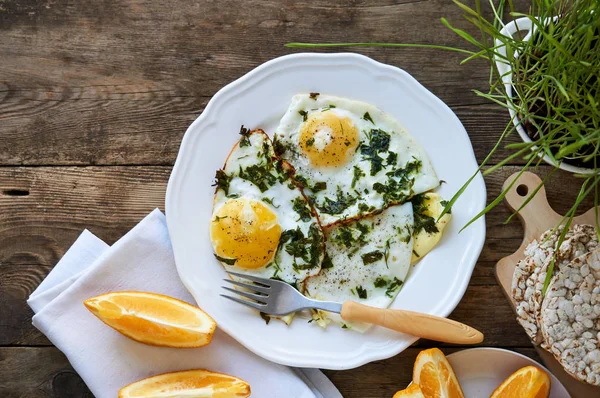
{"points": [[36, 230], [118, 82], [48, 374]]}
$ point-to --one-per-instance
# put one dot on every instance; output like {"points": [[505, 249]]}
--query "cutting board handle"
{"points": [[537, 214]]}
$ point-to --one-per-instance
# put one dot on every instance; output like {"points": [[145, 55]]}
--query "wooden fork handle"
{"points": [[413, 323]]}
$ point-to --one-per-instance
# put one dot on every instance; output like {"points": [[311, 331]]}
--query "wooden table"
{"points": [[94, 100]]}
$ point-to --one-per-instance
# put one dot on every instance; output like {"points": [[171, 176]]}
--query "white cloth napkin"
{"points": [[105, 359]]}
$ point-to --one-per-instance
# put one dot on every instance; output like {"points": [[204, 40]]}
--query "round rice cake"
{"points": [[570, 317], [530, 273]]}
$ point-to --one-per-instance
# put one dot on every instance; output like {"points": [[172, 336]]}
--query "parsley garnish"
{"points": [[338, 205], [327, 262], [422, 221], [344, 326], [259, 175], [304, 115], [379, 142], [245, 133], [278, 146], [368, 118], [301, 207], [313, 96], [328, 108], [362, 293], [228, 261], [416, 254], [363, 207], [344, 237], [270, 201], [371, 257], [319, 186], [266, 317], [310, 142], [357, 174], [393, 287], [308, 249], [217, 218], [222, 181], [381, 282], [392, 158]]}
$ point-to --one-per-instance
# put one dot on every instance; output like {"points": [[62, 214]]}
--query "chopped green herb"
{"points": [[310, 142], [363, 228], [309, 249], [242, 157], [313, 96], [392, 158], [319, 186], [328, 108], [371, 257], [344, 326], [368, 118], [393, 287], [358, 173], [270, 201], [405, 236], [363, 207], [301, 207], [228, 261], [266, 317], [278, 146], [344, 237], [304, 115], [393, 191], [379, 142], [245, 133], [381, 282], [327, 262], [445, 204], [416, 254], [422, 221], [291, 185], [361, 293], [222, 181], [259, 175], [217, 218], [337, 205]]}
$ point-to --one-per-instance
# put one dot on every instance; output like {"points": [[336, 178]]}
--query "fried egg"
{"points": [[262, 225], [428, 226], [366, 261], [351, 158]]}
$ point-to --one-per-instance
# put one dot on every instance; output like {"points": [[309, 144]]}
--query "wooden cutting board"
{"points": [[537, 217]]}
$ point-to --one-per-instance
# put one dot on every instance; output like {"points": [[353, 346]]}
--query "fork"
{"points": [[274, 297]]}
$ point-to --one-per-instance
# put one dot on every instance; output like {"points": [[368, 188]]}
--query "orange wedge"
{"points": [[153, 318], [197, 383], [527, 382], [412, 391], [433, 373]]}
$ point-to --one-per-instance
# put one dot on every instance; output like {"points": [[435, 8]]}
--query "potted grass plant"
{"points": [[545, 69]]}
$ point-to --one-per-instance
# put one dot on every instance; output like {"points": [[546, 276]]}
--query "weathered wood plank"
{"points": [[36, 230], [83, 85], [45, 372]]}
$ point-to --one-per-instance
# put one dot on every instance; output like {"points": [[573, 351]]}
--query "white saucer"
{"points": [[481, 370]]}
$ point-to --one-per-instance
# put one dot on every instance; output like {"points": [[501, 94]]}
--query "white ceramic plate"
{"points": [[259, 99], [481, 370]]}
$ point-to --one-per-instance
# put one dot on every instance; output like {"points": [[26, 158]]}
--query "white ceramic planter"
{"points": [[524, 25]]}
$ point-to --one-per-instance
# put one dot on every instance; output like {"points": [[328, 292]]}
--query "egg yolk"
{"points": [[328, 139], [247, 231]]}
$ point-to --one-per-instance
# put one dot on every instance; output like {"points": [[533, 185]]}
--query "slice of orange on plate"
{"points": [[154, 319], [527, 382], [434, 375], [198, 383], [412, 391]]}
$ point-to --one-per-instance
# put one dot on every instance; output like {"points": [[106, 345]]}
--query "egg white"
{"points": [[363, 195], [389, 234], [279, 197]]}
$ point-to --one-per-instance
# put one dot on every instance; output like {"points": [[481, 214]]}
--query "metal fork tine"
{"points": [[263, 281], [257, 297], [247, 303], [258, 288]]}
